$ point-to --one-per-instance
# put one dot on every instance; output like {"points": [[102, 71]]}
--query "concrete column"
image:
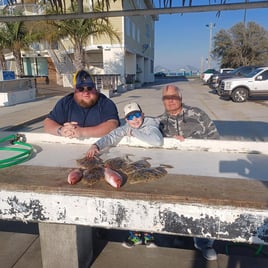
{"points": [[65, 246]]}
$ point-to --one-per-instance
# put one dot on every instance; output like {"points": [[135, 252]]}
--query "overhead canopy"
{"points": [[157, 8]]}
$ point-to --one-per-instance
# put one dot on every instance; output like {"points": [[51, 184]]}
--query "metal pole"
{"points": [[211, 25]]}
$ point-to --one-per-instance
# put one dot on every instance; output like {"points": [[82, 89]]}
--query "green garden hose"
{"points": [[23, 149]]}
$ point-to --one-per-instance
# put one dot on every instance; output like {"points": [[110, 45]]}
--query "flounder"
{"points": [[115, 170], [92, 170]]}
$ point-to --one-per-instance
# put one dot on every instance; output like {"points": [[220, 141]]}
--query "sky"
{"points": [[183, 40]]}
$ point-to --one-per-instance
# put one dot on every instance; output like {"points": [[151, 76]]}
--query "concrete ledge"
{"points": [[17, 91], [122, 88], [248, 147], [107, 92], [17, 96], [17, 84]]}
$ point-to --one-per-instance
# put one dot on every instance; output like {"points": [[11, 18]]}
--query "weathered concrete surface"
{"points": [[17, 91], [197, 203], [114, 255], [65, 246], [31, 257], [13, 248], [219, 222], [230, 159]]}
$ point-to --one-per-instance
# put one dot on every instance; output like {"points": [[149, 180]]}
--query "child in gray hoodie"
{"points": [[144, 128], [137, 125]]}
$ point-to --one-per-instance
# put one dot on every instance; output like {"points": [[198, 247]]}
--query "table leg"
{"points": [[65, 246]]}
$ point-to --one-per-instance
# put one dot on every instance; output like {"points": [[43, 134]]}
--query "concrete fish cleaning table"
{"points": [[215, 189]]}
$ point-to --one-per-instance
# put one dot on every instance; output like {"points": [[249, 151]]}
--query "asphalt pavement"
{"points": [[235, 121]]}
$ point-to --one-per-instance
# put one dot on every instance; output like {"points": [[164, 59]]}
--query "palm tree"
{"points": [[2, 54], [79, 30], [59, 6], [16, 36]]}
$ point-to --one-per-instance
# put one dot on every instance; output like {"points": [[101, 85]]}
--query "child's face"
{"points": [[135, 120]]}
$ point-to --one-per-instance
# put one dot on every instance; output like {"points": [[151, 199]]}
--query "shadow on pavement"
{"points": [[242, 130]]}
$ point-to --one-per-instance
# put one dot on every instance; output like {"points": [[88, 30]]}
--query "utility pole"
{"points": [[245, 14], [202, 65], [210, 26]]}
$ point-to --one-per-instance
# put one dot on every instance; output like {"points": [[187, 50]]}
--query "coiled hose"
{"points": [[23, 149]]}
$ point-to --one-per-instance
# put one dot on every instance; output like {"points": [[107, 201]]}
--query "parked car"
{"points": [[226, 70], [159, 74], [207, 74], [216, 79], [239, 89]]}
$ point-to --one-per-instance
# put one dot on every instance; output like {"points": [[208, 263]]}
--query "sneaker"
{"points": [[149, 241], [208, 252], [133, 240]]}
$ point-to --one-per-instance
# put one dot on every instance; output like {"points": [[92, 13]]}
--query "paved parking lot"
{"points": [[235, 121]]}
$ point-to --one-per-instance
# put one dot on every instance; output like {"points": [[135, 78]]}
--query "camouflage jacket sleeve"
{"points": [[208, 129]]}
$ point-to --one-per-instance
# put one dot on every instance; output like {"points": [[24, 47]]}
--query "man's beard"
{"points": [[88, 102]]}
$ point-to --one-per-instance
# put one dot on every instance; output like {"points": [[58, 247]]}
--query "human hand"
{"points": [[178, 137], [77, 132], [92, 151], [71, 124], [68, 129]]}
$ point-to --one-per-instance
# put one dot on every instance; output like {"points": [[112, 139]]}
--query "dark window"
{"points": [[264, 75]]}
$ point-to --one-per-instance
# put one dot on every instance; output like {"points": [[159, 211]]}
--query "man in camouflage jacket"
{"points": [[181, 121]]}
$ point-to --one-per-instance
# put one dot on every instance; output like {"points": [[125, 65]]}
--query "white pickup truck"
{"points": [[239, 89]]}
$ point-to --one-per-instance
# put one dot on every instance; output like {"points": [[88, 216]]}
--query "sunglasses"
{"points": [[171, 97], [131, 116], [81, 89]]}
